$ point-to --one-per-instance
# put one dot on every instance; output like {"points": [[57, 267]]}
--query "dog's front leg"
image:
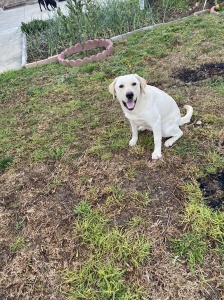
{"points": [[157, 135], [134, 129]]}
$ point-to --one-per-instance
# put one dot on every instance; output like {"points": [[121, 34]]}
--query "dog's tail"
{"points": [[187, 117]]}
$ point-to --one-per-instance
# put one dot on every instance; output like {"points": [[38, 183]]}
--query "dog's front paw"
{"points": [[132, 142], [156, 155]]}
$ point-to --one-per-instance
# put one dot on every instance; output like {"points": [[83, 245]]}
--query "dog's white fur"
{"points": [[147, 107]]}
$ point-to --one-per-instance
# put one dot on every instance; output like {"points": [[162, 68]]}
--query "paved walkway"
{"points": [[11, 35]]}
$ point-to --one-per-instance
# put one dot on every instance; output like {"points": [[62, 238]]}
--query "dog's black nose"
{"points": [[129, 95]]}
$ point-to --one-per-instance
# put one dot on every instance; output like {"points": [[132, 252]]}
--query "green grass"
{"points": [[204, 229], [186, 147], [109, 253]]}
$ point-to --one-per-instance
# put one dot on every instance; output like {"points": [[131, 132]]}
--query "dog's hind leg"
{"points": [[41, 2], [175, 134], [40, 5]]}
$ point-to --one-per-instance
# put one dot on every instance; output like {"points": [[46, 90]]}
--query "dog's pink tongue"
{"points": [[130, 104]]}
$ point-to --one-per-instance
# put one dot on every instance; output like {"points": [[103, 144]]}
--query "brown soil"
{"points": [[203, 72], [87, 53], [212, 186]]}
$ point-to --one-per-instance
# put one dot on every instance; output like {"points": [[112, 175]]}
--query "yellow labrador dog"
{"points": [[147, 107]]}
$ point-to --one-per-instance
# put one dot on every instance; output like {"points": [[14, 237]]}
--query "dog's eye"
{"points": [[134, 83], [121, 86]]}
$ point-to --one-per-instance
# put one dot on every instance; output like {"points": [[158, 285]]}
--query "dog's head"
{"points": [[128, 89]]}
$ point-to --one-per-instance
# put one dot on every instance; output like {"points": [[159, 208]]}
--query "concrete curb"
{"points": [[24, 53]]}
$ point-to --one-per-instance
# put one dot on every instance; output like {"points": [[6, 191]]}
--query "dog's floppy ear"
{"points": [[142, 82], [111, 88]]}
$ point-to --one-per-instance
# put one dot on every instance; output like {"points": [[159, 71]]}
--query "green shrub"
{"points": [[36, 26]]}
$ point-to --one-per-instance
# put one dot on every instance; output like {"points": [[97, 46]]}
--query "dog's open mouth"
{"points": [[130, 105]]}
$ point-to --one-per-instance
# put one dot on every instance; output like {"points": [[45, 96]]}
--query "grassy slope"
{"points": [[69, 143]]}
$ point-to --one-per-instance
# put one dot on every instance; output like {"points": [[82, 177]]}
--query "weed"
{"points": [[57, 153], [192, 246], [18, 244], [88, 68], [214, 161], [135, 222], [130, 173], [19, 225], [116, 194], [4, 162], [142, 198], [210, 119], [35, 26]]}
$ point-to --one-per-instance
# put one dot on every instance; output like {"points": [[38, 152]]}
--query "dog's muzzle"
{"points": [[130, 104]]}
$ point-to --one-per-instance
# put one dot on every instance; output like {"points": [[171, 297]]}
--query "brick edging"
{"points": [[90, 44]]}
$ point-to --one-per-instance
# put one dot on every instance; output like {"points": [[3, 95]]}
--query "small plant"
{"points": [[18, 244], [19, 226], [192, 246], [57, 153], [4, 162]]}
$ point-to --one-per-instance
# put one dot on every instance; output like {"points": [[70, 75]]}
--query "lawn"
{"points": [[83, 215]]}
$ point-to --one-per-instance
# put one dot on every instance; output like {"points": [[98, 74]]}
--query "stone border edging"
{"points": [[90, 44], [212, 10], [46, 61], [201, 12]]}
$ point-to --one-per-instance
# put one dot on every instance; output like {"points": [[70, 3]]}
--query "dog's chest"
{"points": [[139, 119]]}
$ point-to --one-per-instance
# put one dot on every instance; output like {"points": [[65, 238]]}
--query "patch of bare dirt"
{"points": [[212, 186], [203, 72]]}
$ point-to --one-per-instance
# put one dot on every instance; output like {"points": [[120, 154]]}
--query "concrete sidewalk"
{"points": [[10, 33]]}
